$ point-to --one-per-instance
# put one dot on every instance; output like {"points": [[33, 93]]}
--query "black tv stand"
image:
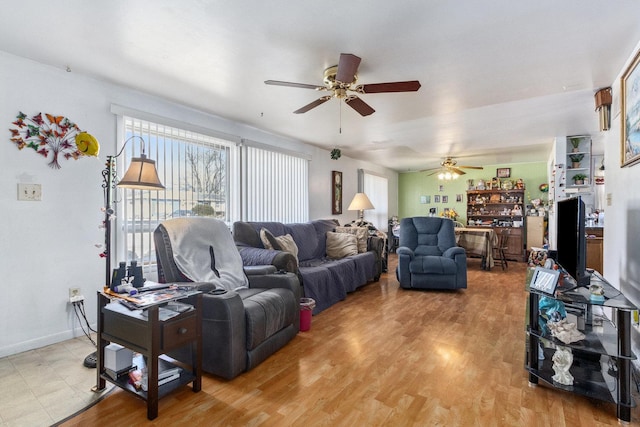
{"points": [[602, 360]]}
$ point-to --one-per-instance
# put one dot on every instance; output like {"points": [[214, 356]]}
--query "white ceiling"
{"points": [[500, 78]]}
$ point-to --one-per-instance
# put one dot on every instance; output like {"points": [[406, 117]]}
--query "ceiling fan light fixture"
{"points": [[448, 175]]}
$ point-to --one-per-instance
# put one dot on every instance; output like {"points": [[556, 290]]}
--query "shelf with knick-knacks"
{"points": [[499, 209], [578, 159], [495, 208]]}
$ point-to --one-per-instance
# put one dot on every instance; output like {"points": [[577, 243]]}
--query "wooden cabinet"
{"points": [[500, 208], [514, 249], [595, 248]]}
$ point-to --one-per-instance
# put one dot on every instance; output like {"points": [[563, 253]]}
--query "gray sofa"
{"points": [[325, 280], [241, 327]]}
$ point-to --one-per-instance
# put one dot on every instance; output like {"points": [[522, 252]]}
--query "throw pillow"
{"points": [[361, 233], [340, 245], [281, 243], [269, 240], [287, 244]]}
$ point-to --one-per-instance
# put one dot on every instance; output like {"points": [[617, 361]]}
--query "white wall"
{"points": [[622, 217], [48, 246]]}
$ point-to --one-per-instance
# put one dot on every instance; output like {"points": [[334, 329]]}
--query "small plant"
{"points": [[575, 142], [576, 158], [579, 178]]}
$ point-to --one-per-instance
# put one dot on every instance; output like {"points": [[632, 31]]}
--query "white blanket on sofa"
{"points": [[204, 251]]}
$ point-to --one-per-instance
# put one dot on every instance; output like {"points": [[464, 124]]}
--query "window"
{"points": [[276, 186], [377, 189], [194, 169]]}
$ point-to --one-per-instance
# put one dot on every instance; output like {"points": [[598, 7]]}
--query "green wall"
{"points": [[413, 185]]}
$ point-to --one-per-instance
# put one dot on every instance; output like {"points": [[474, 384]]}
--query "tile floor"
{"points": [[43, 386]]}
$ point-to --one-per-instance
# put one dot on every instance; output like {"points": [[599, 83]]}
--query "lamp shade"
{"points": [[141, 175], [360, 202]]}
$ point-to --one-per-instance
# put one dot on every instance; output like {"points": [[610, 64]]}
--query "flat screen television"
{"points": [[571, 239]]}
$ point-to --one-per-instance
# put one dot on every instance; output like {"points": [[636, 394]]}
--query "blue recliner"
{"points": [[428, 257]]}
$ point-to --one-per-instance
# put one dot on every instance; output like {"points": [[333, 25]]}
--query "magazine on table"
{"points": [[148, 299]]}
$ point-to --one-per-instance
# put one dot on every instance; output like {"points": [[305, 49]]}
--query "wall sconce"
{"points": [[603, 107]]}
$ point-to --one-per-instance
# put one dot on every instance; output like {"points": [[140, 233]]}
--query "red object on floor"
{"points": [[305, 320]]}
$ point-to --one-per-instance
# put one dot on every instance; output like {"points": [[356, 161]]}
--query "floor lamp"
{"points": [[360, 203], [141, 175]]}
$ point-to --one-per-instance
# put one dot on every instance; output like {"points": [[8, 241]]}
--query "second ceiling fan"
{"points": [[451, 166], [340, 81]]}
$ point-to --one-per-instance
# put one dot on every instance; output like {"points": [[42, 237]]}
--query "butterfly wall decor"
{"points": [[49, 135]]}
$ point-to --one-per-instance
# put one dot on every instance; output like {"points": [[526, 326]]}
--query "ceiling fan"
{"points": [[450, 166], [340, 81]]}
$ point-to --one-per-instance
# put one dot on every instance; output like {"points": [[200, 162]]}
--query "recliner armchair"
{"points": [[428, 257], [248, 313]]}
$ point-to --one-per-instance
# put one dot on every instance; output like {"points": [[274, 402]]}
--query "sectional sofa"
{"points": [[324, 278]]}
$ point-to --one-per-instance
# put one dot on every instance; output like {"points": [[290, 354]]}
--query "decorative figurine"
{"points": [[562, 361]]}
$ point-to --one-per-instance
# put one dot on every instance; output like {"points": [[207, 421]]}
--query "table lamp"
{"points": [[359, 203]]}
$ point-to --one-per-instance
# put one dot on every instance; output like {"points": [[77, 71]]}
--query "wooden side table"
{"points": [[151, 337]]}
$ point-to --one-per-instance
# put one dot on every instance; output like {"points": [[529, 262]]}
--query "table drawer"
{"points": [[129, 331], [178, 332]]}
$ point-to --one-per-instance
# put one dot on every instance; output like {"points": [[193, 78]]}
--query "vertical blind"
{"points": [[194, 170], [276, 186], [377, 189]]}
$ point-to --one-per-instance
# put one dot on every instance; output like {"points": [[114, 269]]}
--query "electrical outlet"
{"points": [[30, 192], [75, 295]]}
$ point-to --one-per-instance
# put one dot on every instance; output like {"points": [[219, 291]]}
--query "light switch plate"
{"points": [[30, 192]]}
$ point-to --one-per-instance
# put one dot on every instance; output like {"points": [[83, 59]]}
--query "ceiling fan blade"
{"points": [[409, 86], [347, 67], [290, 84], [359, 105], [456, 170], [314, 104], [472, 167]]}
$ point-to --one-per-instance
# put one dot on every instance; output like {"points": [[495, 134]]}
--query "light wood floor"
{"points": [[386, 357]]}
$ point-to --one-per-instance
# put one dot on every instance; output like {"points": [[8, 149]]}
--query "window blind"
{"points": [[275, 187], [377, 189]]}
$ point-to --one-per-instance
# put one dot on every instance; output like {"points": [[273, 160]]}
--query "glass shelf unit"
{"points": [[602, 360]]}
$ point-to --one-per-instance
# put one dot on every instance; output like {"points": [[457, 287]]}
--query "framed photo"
{"points": [[445, 199], [458, 198], [433, 211], [436, 198], [630, 114], [336, 192], [441, 187], [503, 172]]}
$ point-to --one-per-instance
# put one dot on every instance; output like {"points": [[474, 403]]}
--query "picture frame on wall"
{"points": [[436, 199], [445, 199], [433, 211], [630, 114], [458, 198], [503, 172], [336, 192]]}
